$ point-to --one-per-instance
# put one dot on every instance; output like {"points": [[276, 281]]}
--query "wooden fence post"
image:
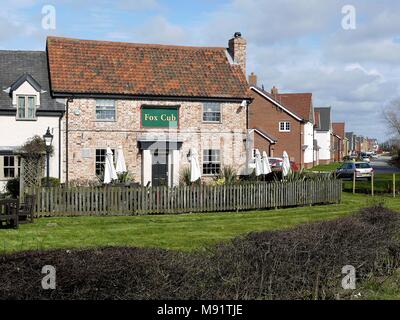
{"points": [[354, 182], [394, 185], [372, 184]]}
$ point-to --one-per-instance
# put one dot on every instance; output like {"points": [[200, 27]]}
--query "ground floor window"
{"points": [[101, 160], [11, 166], [211, 162]]}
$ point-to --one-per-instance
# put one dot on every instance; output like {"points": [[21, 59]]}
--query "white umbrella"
{"points": [[121, 166], [259, 169], [266, 167], [194, 166], [286, 164], [109, 170]]}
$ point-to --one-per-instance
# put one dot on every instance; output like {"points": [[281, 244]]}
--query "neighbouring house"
{"points": [[361, 144], [156, 101], [282, 122], [338, 132], [26, 109], [373, 145], [323, 135], [352, 142], [346, 147]]}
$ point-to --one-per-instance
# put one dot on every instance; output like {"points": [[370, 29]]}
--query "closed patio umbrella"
{"points": [[266, 167], [286, 164], [109, 171], [194, 166], [121, 166], [259, 169]]}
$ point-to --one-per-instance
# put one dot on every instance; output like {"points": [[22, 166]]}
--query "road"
{"points": [[382, 165]]}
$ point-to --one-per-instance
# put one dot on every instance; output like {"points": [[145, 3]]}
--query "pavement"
{"points": [[382, 165]]}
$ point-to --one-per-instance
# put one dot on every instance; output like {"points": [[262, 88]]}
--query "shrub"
{"points": [[300, 263], [228, 175], [35, 145], [184, 177], [12, 187], [306, 262], [54, 182]]}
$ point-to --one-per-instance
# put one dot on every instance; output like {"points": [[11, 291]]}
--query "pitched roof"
{"points": [[271, 98], [325, 118], [299, 103], [338, 129], [17, 66], [26, 77], [103, 67], [265, 135]]}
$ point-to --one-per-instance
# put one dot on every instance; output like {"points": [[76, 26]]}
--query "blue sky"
{"points": [[296, 45]]}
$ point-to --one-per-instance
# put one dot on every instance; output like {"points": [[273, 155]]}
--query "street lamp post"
{"points": [[48, 139]]}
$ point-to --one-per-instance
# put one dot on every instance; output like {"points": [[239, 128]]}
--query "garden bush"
{"points": [[12, 188], [300, 263], [54, 182]]}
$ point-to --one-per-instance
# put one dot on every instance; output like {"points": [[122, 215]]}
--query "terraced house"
{"points": [[156, 101], [323, 135], [26, 109], [282, 122]]}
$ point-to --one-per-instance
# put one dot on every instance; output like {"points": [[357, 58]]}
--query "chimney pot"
{"points": [[253, 80], [237, 50], [274, 90]]}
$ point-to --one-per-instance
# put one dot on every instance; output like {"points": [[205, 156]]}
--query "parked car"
{"points": [[366, 159], [363, 170], [276, 165]]}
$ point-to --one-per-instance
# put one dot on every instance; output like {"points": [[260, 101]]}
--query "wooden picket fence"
{"points": [[73, 201]]}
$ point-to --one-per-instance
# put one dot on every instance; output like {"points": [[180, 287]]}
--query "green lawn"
{"points": [[181, 232], [326, 167], [383, 183]]}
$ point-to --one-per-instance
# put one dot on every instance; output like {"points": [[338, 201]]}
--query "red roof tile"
{"points": [[101, 67], [298, 103], [338, 128]]}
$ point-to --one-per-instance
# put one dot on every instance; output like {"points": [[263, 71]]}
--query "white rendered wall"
{"points": [[309, 142], [324, 142], [14, 133]]}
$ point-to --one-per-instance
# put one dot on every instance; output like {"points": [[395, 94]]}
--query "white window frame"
{"points": [[215, 114], [286, 126], [26, 107], [211, 161], [112, 106], [101, 162], [16, 167]]}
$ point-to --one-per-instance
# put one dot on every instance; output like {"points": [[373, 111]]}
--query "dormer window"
{"points": [[25, 94], [26, 107]]}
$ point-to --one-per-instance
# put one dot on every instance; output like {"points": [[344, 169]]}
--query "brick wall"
{"points": [[266, 116], [87, 134]]}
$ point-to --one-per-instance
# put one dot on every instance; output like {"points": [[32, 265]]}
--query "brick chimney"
{"points": [[253, 80], [274, 90], [237, 50]]}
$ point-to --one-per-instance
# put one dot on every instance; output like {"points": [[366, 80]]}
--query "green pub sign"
{"points": [[160, 117]]}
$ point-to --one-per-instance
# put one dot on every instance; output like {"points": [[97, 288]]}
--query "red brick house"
{"points": [[287, 119], [338, 136]]}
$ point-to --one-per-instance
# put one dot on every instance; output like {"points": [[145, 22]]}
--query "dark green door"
{"points": [[159, 168]]}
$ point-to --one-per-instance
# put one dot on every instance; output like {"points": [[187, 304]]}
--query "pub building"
{"points": [[156, 101]]}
